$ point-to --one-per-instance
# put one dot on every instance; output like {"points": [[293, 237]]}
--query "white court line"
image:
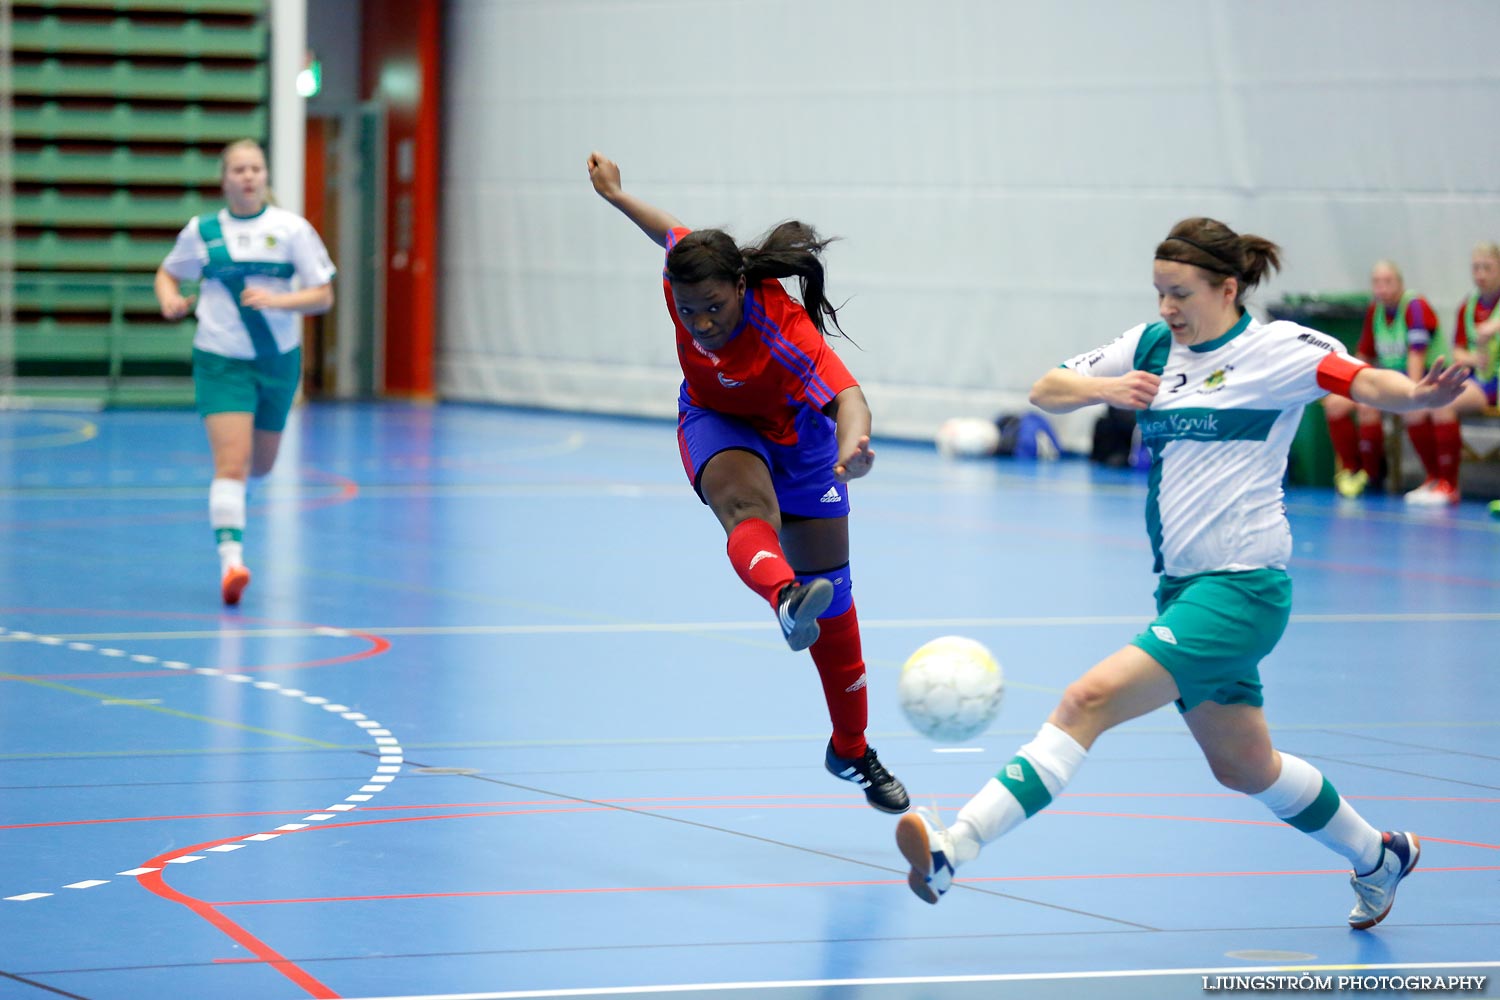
{"points": [[1145, 615], [1015, 977]]}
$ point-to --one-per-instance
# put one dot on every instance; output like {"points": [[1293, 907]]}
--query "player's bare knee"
{"points": [[1243, 773], [742, 507], [1083, 702]]}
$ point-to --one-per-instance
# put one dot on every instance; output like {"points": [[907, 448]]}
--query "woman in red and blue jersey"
{"points": [[771, 428]]}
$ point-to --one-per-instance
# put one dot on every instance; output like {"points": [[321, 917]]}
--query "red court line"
{"points": [[155, 883], [1123, 875], [523, 892], [1182, 819], [1405, 574], [1459, 843], [1236, 795], [605, 890], [700, 802]]}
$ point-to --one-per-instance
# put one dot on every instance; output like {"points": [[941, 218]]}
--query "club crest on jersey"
{"points": [[728, 383], [1215, 381]]}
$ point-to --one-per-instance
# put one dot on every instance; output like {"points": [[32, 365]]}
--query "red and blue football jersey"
{"points": [[775, 365]]}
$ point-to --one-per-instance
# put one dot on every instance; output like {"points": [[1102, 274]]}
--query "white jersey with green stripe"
{"points": [[1219, 431], [273, 249]]}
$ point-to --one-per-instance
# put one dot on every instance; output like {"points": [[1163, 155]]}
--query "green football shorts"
{"points": [[264, 387], [1213, 629]]}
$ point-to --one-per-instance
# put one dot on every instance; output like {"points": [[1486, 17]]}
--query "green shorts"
{"points": [[1213, 629], [265, 387]]}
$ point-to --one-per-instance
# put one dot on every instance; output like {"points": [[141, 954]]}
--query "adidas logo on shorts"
{"points": [[832, 496]]}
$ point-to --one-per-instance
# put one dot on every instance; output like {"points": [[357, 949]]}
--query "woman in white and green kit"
{"points": [[1218, 397], [260, 269]]}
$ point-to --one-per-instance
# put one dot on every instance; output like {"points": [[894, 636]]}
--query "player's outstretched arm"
{"points": [[604, 174], [1063, 390], [1390, 390], [851, 421]]}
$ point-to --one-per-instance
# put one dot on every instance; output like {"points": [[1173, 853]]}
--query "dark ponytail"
{"points": [[1214, 247], [791, 249]]}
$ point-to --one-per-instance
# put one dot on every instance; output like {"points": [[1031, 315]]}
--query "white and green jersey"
{"points": [[273, 249], [1219, 431]]}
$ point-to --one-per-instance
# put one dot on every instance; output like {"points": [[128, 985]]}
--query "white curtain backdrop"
{"points": [[999, 172]]}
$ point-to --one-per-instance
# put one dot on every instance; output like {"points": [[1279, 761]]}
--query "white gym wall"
{"points": [[999, 172]]}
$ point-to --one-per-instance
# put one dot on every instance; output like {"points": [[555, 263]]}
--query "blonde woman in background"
{"points": [[261, 268]]}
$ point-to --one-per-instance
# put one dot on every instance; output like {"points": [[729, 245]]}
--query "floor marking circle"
{"points": [[388, 747]]}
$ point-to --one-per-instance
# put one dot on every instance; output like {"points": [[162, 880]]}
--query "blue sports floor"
{"points": [[496, 719]]}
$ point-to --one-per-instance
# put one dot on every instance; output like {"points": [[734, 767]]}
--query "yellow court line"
{"points": [[86, 430], [82, 692], [1134, 729]]}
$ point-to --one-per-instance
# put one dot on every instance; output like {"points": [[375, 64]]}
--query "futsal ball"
{"points": [[950, 689], [967, 437]]}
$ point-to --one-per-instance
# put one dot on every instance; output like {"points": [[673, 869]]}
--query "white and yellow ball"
{"points": [[951, 688]]}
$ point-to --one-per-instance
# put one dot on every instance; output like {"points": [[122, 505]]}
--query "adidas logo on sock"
{"points": [[832, 496], [856, 685], [762, 554]]}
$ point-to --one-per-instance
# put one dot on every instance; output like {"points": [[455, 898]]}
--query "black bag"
{"points": [[1113, 433], [1009, 425]]}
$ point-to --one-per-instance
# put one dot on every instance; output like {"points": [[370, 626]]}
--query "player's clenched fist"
{"points": [[1132, 391], [604, 174]]}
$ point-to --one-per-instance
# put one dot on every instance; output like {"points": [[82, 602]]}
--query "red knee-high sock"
{"points": [[1371, 447], [1423, 440], [1448, 442], [755, 552], [841, 666], [1345, 438]]}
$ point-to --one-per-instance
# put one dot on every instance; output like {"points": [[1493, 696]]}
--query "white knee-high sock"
{"points": [[226, 514], [1305, 799], [1023, 787]]}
